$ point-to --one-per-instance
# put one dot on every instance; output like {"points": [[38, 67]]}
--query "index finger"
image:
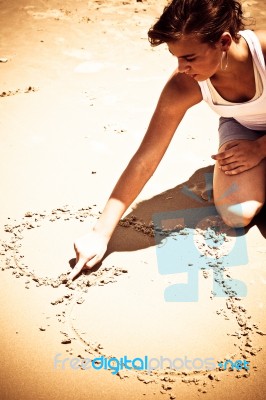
{"points": [[223, 155], [76, 270]]}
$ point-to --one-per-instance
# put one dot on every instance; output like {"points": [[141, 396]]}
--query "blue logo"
{"points": [[192, 239], [238, 365]]}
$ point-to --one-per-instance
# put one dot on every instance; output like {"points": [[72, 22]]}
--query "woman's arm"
{"points": [[177, 97], [262, 146], [180, 93], [242, 155]]}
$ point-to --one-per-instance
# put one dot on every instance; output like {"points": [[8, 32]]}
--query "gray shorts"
{"points": [[230, 129]]}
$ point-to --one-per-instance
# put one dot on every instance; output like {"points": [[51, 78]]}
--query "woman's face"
{"points": [[196, 59]]}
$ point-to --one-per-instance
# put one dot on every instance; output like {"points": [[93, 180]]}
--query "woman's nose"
{"points": [[183, 66]]}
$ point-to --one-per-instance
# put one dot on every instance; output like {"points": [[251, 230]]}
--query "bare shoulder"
{"points": [[261, 34], [182, 90]]}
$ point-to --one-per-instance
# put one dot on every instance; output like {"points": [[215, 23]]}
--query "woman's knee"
{"points": [[239, 215]]}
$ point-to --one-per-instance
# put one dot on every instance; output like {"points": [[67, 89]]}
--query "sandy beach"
{"points": [[177, 291]]}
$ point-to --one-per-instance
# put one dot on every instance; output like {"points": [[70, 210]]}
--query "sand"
{"points": [[79, 82]]}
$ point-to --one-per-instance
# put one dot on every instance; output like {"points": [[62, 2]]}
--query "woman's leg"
{"points": [[238, 198]]}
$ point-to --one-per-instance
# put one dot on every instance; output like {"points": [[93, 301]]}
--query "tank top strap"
{"points": [[255, 49]]}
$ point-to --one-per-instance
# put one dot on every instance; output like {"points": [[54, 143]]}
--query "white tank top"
{"points": [[251, 114]]}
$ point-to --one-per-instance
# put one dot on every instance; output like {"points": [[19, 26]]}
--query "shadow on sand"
{"points": [[192, 198]]}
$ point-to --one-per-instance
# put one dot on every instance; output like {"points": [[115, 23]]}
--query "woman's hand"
{"points": [[89, 249], [239, 156]]}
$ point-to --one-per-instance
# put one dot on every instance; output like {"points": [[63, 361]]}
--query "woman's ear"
{"points": [[225, 41]]}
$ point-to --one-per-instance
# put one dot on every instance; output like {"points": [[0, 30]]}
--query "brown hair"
{"points": [[207, 19]]}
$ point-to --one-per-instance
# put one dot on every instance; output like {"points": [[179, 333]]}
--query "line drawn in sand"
{"points": [[74, 296]]}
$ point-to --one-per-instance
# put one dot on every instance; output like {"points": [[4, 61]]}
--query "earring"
{"points": [[224, 56]]}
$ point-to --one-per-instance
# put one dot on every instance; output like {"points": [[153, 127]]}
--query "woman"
{"points": [[225, 66]]}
